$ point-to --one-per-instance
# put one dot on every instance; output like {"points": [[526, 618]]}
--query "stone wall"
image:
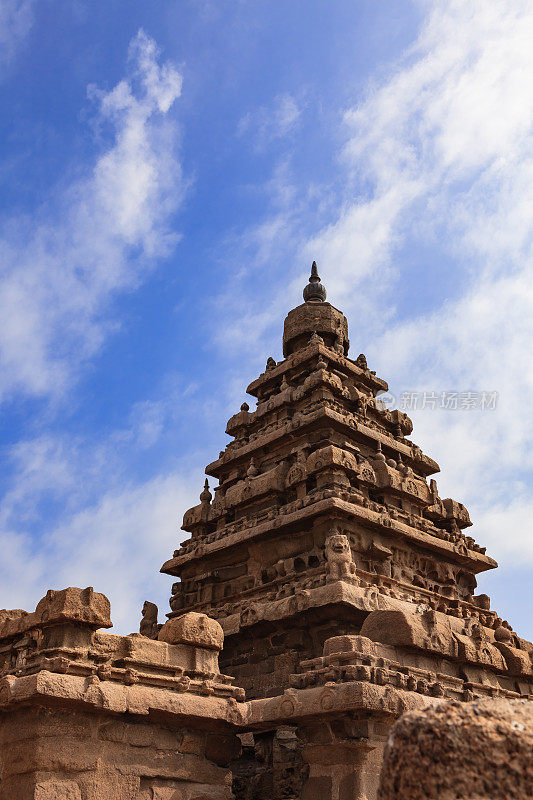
{"points": [[88, 715], [262, 662], [73, 754]]}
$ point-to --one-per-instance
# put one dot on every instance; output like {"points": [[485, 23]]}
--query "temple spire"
{"points": [[314, 291]]}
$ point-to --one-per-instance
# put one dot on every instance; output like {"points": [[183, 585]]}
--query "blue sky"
{"points": [[168, 173]]}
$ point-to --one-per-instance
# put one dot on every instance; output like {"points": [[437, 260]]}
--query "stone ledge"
{"points": [[312, 350], [475, 561], [299, 705], [335, 593], [51, 688], [422, 462]]}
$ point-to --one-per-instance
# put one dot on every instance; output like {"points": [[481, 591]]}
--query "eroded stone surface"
{"points": [[192, 628], [472, 751]]}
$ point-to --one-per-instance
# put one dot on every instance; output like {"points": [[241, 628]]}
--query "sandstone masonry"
{"points": [[324, 572]]}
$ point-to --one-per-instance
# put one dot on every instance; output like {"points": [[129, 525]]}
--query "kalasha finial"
{"points": [[206, 496], [314, 291], [379, 453]]}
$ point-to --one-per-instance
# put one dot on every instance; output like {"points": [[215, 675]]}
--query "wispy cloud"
{"points": [[445, 146], [73, 512], [16, 19], [437, 159], [265, 124], [76, 511], [115, 543], [62, 266]]}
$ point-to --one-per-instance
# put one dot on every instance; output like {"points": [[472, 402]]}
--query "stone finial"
{"points": [[314, 291], [503, 634], [379, 454], [252, 470], [206, 496]]}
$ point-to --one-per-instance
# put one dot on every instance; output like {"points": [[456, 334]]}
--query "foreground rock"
{"points": [[476, 751]]}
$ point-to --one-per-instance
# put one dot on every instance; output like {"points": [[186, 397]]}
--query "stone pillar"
{"points": [[270, 766], [344, 757]]}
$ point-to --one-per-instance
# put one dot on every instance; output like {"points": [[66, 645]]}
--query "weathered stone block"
{"points": [[349, 644], [194, 629], [461, 750], [57, 790], [78, 605]]}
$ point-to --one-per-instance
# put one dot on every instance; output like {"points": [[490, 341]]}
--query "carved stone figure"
{"points": [[149, 626], [339, 560]]}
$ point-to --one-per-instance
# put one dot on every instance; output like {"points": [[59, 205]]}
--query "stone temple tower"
{"points": [[325, 590], [325, 535]]}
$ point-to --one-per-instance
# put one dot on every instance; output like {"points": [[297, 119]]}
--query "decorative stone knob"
{"points": [[206, 496], [314, 291]]}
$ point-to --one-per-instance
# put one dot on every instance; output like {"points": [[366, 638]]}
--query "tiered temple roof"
{"points": [[324, 514]]}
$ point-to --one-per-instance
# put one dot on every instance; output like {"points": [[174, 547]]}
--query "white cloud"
{"points": [[119, 544], [506, 529], [16, 19], [115, 544], [72, 514], [443, 144], [104, 509], [76, 512], [446, 145], [61, 268], [265, 124]]}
